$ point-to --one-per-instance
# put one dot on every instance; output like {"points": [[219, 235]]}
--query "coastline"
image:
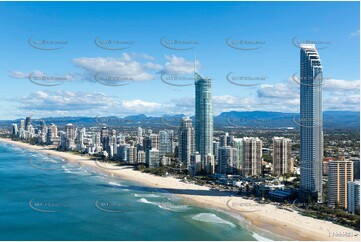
{"points": [[266, 217]]}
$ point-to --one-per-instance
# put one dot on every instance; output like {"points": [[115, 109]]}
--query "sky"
{"points": [[127, 58]]}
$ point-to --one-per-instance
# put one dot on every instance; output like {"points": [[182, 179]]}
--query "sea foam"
{"points": [[211, 218]]}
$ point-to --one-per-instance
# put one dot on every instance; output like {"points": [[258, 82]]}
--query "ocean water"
{"points": [[46, 198]]}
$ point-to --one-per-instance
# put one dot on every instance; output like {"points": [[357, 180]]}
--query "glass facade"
{"points": [[311, 150], [204, 116]]}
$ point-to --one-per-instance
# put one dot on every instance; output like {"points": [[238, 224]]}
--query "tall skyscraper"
{"points": [[227, 160], [353, 192], [252, 156], [140, 135], [70, 134], [155, 141], [185, 141], [165, 142], [339, 174], [238, 143], [204, 116], [282, 156], [15, 129], [27, 122], [22, 124], [311, 150], [104, 137]]}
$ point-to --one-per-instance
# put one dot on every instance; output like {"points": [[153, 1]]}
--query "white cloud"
{"points": [[86, 104], [124, 66], [354, 34], [341, 85], [179, 65]]}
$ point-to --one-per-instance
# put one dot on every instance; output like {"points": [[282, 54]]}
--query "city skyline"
{"points": [[146, 60]]}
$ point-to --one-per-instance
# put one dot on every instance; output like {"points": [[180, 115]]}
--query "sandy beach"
{"points": [[267, 217]]}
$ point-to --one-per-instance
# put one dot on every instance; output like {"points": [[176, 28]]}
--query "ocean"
{"points": [[47, 198]]}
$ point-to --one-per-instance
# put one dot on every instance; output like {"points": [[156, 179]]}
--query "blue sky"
{"points": [[272, 29]]}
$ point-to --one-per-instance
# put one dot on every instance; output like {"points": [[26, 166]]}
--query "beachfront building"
{"points": [[132, 154], [209, 164], [70, 134], [185, 141], [227, 160], [353, 193], [311, 134], [165, 143], [252, 156], [203, 115], [340, 172], [282, 156], [195, 163], [141, 156], [152, 158]]}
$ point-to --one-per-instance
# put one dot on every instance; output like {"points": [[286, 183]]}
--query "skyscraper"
{"points": [[204, 116], [155, 140], [70, 134], [27, 122], [185, 141], [165, 142], [227, 160], [311, 150], [353, 192], [140, 135], [339, 174], [252, 156], [282, 156]]}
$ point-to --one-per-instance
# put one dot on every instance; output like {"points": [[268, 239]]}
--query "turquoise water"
{"points": [[64, 201]]}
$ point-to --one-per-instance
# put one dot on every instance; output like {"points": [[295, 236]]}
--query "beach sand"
{"points": [[264, 217]]}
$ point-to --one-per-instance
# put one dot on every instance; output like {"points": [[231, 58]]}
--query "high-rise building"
{"points": [[155, 140], [238, 143], [165, 142], [203, 115], [356, 167], [132, 154], [185, 141], [27, 123], [215, 150], [252, 156], [104, 137], [15, 130], [227, 160], [223, 140], [311, 136], [43, 126], [209, 163], [80, 139], [340, 172], [152, 157], [140, 135], [141, 156], [22, 124], [70, 133], [353, 192], [282, 156], [195, 163]]}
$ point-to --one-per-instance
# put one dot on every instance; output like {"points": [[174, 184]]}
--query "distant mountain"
{"points": [[254, 119], [331, 119]]}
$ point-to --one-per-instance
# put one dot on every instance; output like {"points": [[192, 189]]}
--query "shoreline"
{"points": [[266, 218]]}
